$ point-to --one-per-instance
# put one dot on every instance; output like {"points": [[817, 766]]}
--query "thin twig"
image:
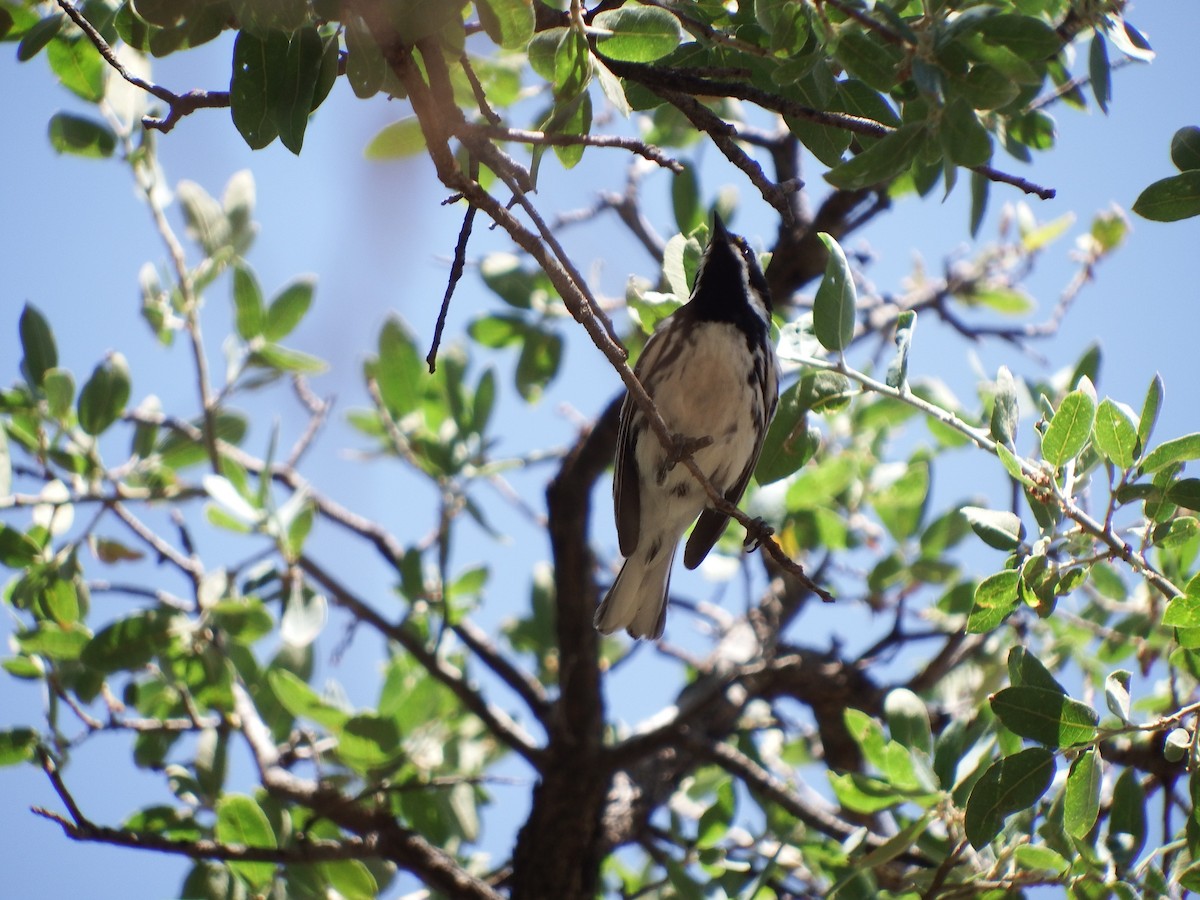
{"points": [[178, 105], [188, 566], [1119, 548], [641, 148], [724, 136], [318, 410], [456, 273], [525, 685]]}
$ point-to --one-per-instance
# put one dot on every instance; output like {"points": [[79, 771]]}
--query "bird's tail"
{"points": [[637, 601]]}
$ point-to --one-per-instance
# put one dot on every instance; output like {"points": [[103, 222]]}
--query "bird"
{"points": [[713, 375]]}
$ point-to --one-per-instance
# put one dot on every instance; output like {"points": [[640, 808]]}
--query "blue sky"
{"points": [[74, 236]]}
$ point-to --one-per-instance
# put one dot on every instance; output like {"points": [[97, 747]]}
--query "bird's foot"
{"points": [[756, 532]]}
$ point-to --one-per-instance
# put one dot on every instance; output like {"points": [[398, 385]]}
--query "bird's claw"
{"points": [[758, 530]]}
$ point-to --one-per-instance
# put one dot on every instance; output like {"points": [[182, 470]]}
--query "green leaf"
{"points": [[897, 373], [1127, 818], [508, 23], [574, 117], [368, 741], [294, 694], [1185, 148], [908, 720], [997, 528], [285, 359], [1038, 858], [1029, 38], [17, 549], [789, 443], [37, 343], [129, 643], [350, 877], [79, 67], [288, 308], [1185, 493], [399, 369], [1005, 414], [1176, 533], [995, 598], [1045, 716], [1034, 129], [836, 299], [901, 504], [54, 641], [179, 451], [294, 100], [237, 204], [986, 87], [1025, 669], [1115, 434], [896, 844], [204, 217], [81, 136], [1182, 611], [1168, 453], [1116, 694], [1099, 70], [397, 141], [241, 821], [1081, 800], [1171, 199], [1150, 408], [572, 66], [1070, 428], [966, 141], [254, 87], [1009, 785], [365, 66], [538, 363], [685, 200], [518, 287], [498, 331], [60, 600], [484, 403], [880, 162], [39, 35], [637, 33], [104, 396], [17, 745], [248, 313], [868, 57]]}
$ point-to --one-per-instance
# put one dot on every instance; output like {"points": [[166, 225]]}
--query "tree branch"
{"points": [[178, 105], [406, 848], [507, 731]]}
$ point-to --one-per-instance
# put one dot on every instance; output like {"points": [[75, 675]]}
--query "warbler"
{"points": [[712, 373]]}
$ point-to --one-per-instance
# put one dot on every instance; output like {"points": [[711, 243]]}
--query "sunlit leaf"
{"points": [[836, 299]]}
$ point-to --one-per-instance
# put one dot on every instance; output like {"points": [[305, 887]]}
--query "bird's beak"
{"points": [[719, 227]]}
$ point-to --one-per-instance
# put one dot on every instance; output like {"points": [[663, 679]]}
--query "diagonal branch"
{"points": [[502, 726], [392, 841]]}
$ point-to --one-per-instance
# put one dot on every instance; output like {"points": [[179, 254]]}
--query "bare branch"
{"points": [[456, 273], [724, 136], [549, 139], [178, 105], [526, 686], [498, 722]]}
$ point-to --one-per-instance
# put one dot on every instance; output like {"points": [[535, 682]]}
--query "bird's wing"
{"points": [[627, 498], [711, 523]]}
